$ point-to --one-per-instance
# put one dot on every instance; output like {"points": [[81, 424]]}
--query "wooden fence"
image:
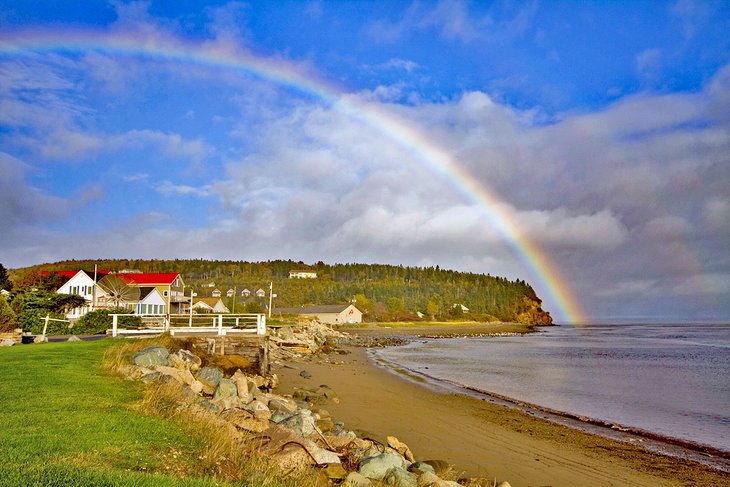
{"points": [[197, 324]]}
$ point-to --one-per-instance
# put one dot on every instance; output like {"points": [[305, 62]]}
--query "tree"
{"points": [[8, 320], [5, 282], [433, 308]]}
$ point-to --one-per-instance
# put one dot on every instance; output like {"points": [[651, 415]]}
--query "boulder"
{"points": [[40, 339], [209, 377], [242, 388], [258, 409], [168, 371], [7, 343], [376, 467], [152, 355], [504, 484], [400, 447], [335, 471], [302, 423], [400, 477], [208, 405], [278, 403], [196, 386], [306, 374], [73, 338], [184, 359], [354, 479], [226, 388], [245, 420]]}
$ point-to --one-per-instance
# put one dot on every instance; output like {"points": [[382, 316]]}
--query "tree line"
{"points": [[383, 292]]}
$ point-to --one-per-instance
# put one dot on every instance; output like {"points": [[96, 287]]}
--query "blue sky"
{"points": [[601, 128]]}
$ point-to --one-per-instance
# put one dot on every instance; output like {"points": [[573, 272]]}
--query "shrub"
{"points": [[99, 321], [8, 320]]}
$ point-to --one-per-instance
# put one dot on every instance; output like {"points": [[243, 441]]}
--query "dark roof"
{"points": [[312, 310], [144, 291]]}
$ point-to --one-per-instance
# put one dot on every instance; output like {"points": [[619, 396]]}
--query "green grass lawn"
{"points": [[64, 421]]}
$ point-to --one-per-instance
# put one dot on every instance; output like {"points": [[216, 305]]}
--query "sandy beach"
{"points": [[478, 437]]}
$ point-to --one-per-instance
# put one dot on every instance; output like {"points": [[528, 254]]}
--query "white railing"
{"points": [[217, 324]]}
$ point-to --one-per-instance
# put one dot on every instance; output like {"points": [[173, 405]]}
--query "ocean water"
{"points": [[668, 379]]}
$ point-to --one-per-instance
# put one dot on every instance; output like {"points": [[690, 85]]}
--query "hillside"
{"points": [[382, 292]]}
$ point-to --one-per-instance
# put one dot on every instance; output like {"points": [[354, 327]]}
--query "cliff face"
{"points": [[530, 312]]}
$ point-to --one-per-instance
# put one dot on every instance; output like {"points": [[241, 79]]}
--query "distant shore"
{"points": [[479, 437]]}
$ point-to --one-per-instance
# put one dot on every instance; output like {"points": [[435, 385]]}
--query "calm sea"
{"points": [[672, 380]]}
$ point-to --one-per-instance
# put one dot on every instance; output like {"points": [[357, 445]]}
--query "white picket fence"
{"points": [[200, 324]]}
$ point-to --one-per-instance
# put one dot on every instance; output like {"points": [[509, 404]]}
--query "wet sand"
{"points": [[478, 437]]}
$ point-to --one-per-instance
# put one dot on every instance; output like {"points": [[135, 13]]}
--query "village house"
{"points": [[335, 314], [302, 274], [216, 293], [209, 305], [159, 292]]}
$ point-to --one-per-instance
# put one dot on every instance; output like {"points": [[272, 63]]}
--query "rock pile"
{"points": [[293, 432]]}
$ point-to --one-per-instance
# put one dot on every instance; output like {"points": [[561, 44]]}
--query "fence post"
{"points": [[45, 326], [261, 324], [114, 325], [220, 325]]}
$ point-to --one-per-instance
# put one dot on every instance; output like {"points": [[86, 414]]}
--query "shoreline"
{"points": [[478, 436], [655, 442]]}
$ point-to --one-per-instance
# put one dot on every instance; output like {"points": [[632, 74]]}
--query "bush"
{"points": [[8, 320], [99, 321]]}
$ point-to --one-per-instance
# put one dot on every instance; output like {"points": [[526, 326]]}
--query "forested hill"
{"points": [[382, 292]]}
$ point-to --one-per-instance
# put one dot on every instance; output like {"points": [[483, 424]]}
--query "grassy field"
{"points": [[65, 421]]}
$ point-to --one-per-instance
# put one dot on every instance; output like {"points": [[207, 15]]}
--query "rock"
{"points": [[427, 479], [245, 420], [184, 359], [400, 477], [326, 425], [40, 339], [439, 466], [226, 388], [421, 467], [274, 382], [152, 355], [151, 377], [242, 388], [196, 386], [259, 381], [322, 456], [73, 338], [7, 343], [306, 374], [282, 404], [259, 410], [230, 402], [504, 484], [210, 406], [400, 447], [279, 415], [376, 467], [210, 377], [354, 479], [302, 422], [168, 371]]}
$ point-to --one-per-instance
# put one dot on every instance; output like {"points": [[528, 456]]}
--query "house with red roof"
{"points": [[160, 293]]}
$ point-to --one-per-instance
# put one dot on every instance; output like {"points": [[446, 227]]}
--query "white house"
{"points": [[81, 284], [302, 274], [216, 293], [260, 293], [209, 305], [245, 293], [230, 293], [151, 302], [336, 314]]}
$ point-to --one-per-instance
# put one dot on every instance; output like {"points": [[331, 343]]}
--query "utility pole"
{"points": [[271, 296]]}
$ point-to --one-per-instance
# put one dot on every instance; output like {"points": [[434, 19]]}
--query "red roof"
{"points": [[149, 279]]}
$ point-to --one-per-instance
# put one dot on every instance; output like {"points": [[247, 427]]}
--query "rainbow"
{"points": [[287, 74]]}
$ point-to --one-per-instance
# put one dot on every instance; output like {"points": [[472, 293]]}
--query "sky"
{"points": [[581, 146]]}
